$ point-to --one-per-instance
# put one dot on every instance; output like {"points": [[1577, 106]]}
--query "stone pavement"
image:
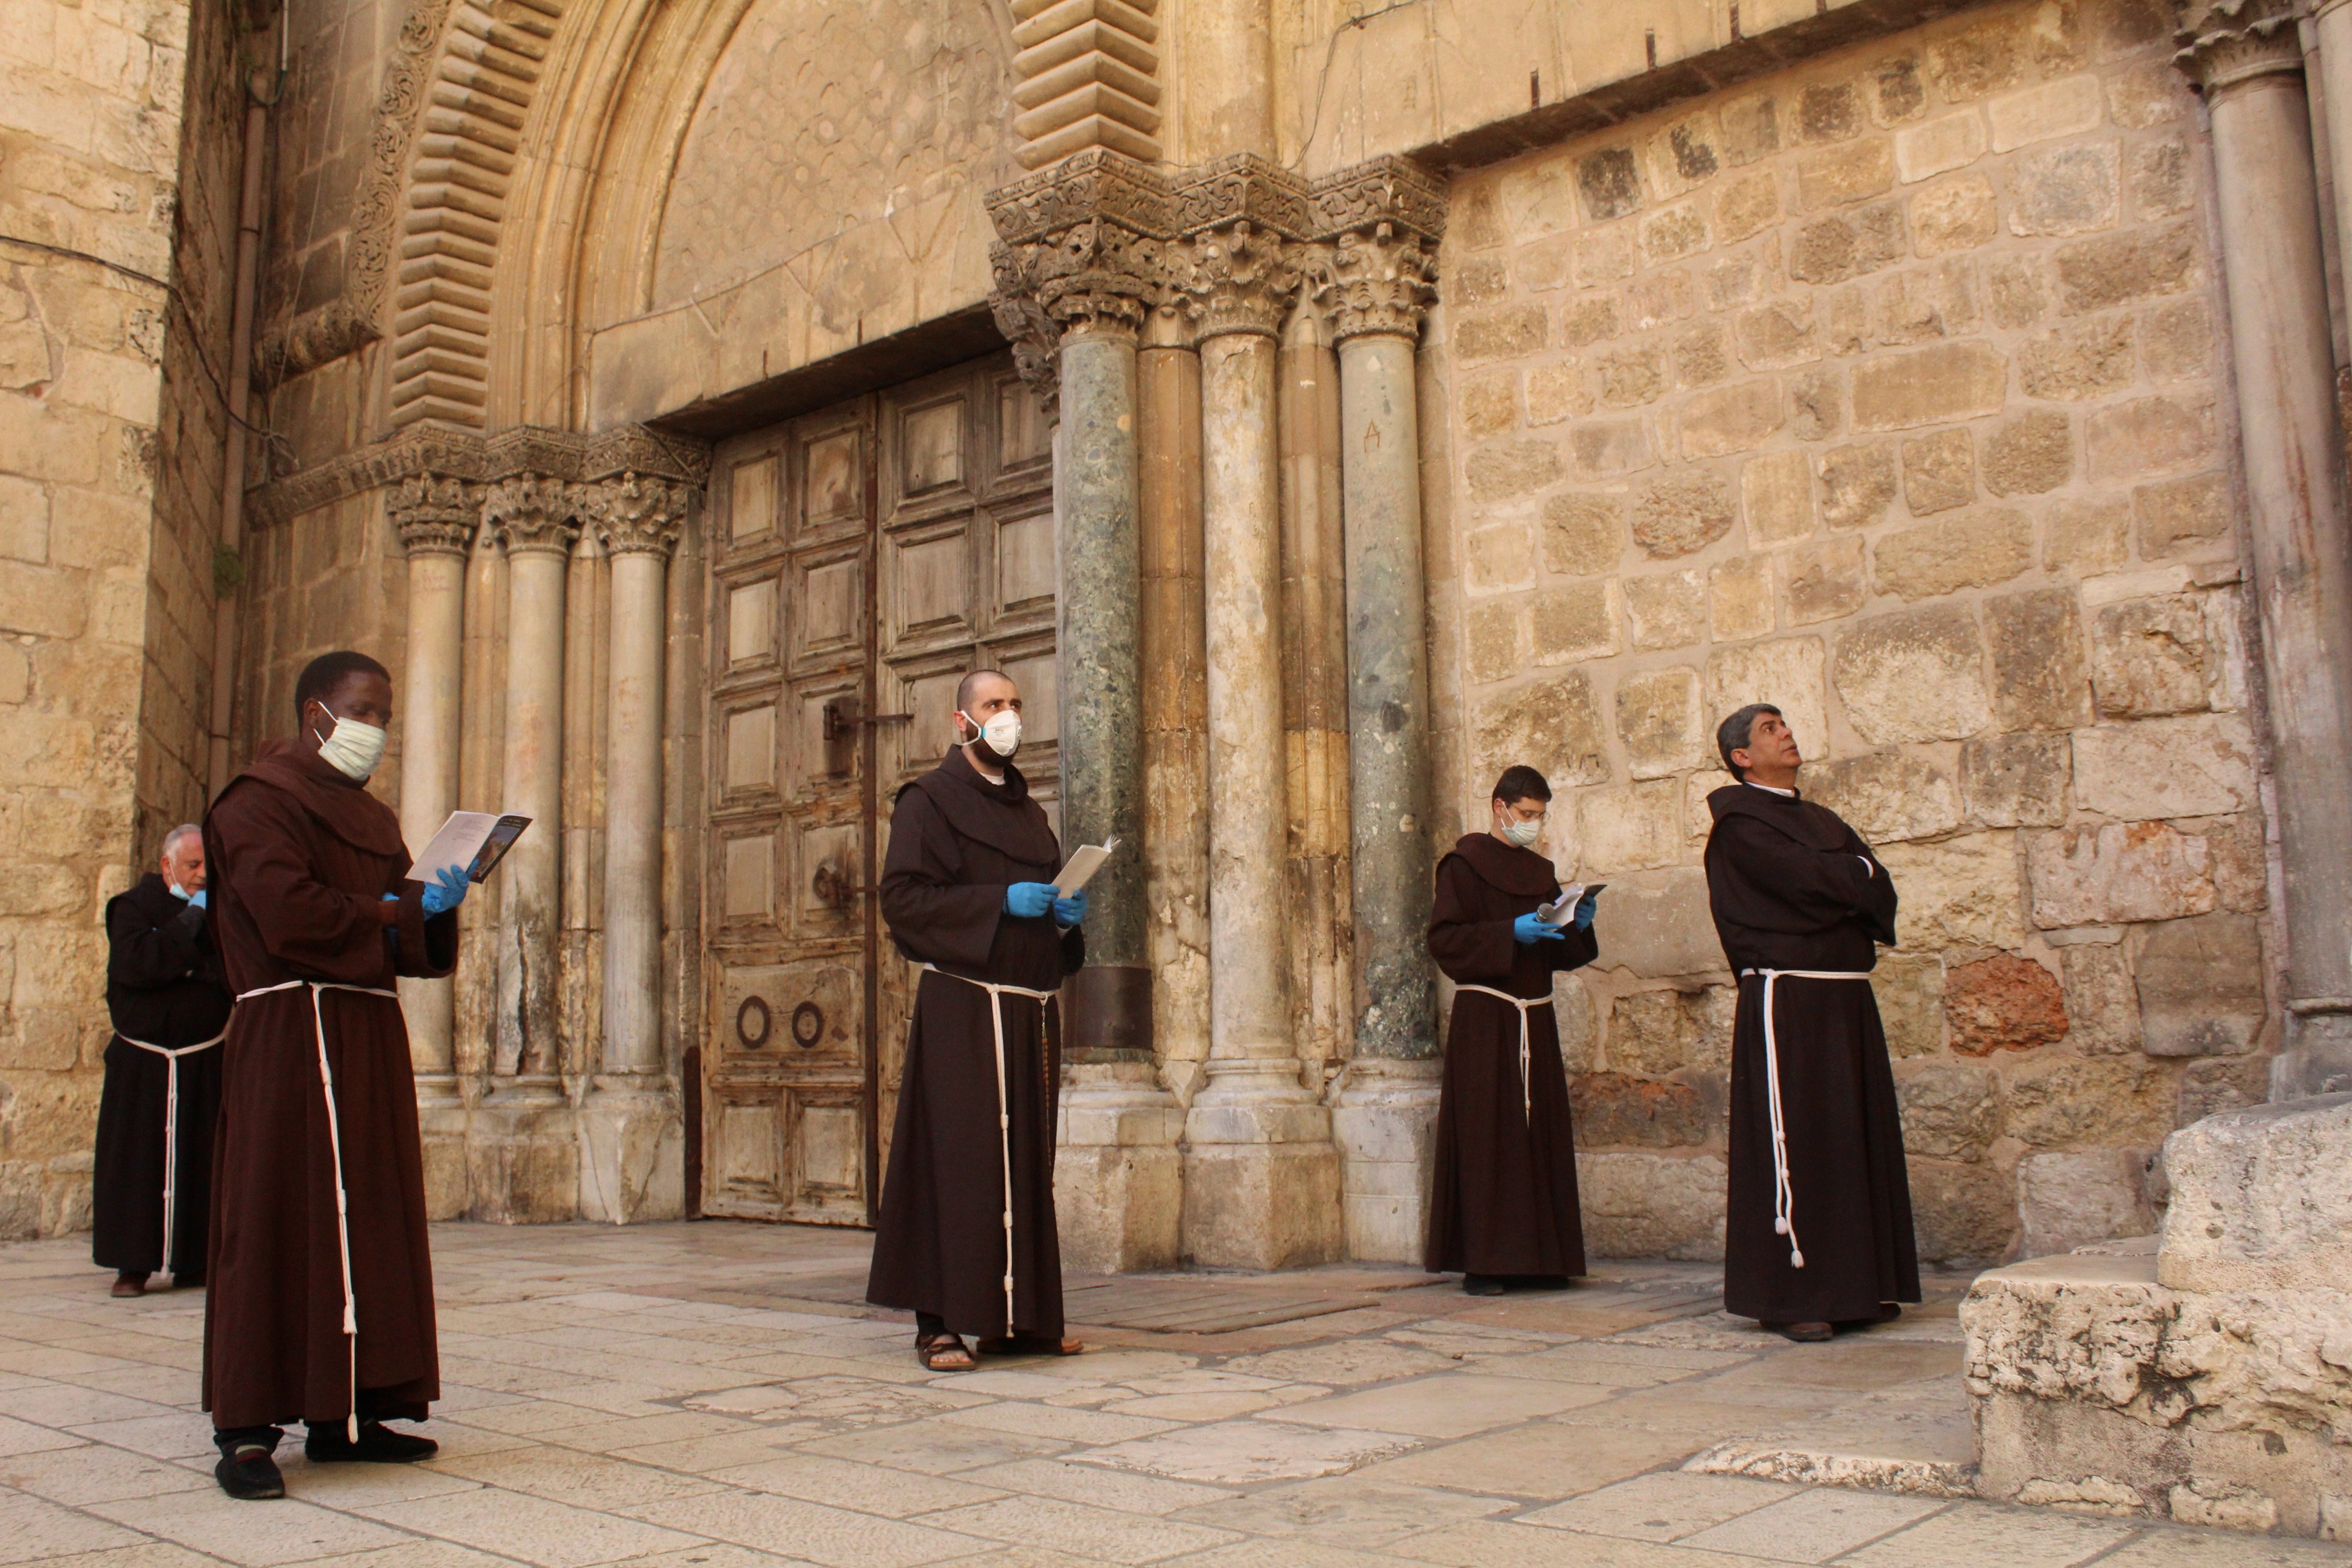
{"points": [[711, 1397]]}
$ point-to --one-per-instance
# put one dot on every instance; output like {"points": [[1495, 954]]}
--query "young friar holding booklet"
{"points": [[1504, 1208], [966, 1239]]}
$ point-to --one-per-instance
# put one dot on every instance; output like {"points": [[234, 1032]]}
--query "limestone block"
{"points": [[2241, 863], [1610, 181], [1925, 303], [2064, 1101], [1681, 514], [1502, 556], [1603, 449], [1779, 334], [2004, 1003], [1557, 391], [1777, 493], [1834, 176], [2086, 537], [1511, 332], [1633, 376], [2070, 1200], [1553, 721], [1951, 1109], [1938, 472], [1938, 559], [2201, 767], [1909, 987], [1745, 205], [1961, 892], [1490, 404], [1583, 532], [1938, 146], [1735, 419], [2067, 190], [632, 1158], [2067, 107], [1495, 638], [1657, 925], [1963, 1213], [1662, 1032], [2199, 986], [2091, 359], [2102, 998], [1614, 1107], [2039, 680], [1917, 675], [2148, 436], [2030, 456], [1739, 597], [1385, 1124], [1699, 357], [1583, 322], [2140, 871], [1954, 215], [1665, 609], [1658, 721], [1576, 621], [2014, 296], [2179, 345], [2262, 1200], [1652, 1205], [1786, 673], [1501, 469], [1823, 582], [2016, 781], [1628, 827], [1263, 1206], [1858, 483], [2125, 269], [1888, 795], [2149, 657]]}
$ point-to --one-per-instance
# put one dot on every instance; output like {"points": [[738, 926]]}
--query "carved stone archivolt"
{"points": [[2223, 42], [634, 515], [435, 514]]}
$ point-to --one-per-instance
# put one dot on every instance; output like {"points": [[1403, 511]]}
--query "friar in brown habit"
{"points": [[1503, 1206], [966, 1239], [314, 1316], [1818, 1232]]}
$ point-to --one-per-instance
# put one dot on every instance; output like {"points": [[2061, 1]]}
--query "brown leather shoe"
{"points": [[1802, 1333], [127, 1283]]}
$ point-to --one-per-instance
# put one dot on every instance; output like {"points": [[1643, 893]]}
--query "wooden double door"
{"points": [[863, 558]]}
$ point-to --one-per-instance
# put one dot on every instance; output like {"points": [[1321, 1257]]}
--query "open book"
{"points": [[477, 841], [1562, 909], [1083, 865]]}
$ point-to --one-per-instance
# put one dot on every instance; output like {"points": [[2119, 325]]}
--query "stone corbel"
{"points": [[2224, 42], [435, 514], [533, 513], [632, 515]]}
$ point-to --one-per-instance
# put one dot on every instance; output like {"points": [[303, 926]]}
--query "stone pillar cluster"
{"points": [[1200, 311], [552, 1119]]}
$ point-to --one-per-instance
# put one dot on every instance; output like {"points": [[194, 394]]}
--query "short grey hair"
{"points": [[172, 839]]}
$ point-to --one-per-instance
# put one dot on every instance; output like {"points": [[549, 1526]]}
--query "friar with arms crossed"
{"points": [[1819, 1235]]}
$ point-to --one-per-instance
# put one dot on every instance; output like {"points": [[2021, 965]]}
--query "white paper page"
{"points": [[1083, 865], [1559, 912], [458, 841]]}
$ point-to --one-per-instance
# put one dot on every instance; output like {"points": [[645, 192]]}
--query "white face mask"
{"points": [[1522, 833], [1002, 733], [354, 748], [177, 891]]}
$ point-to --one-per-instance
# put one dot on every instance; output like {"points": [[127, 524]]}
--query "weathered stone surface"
{"points": [[1555, 717], [1963, 1213], [1910, 991], [2016, 781], [1507, 468], [2066, 1102], [1632, 376], [2030, 456], [1652, 1205], [1490, 404], [2039, 683], [1699, 357], [2149, 435], [1930, 387], [1657, 925], [1658, 719], [2004, 1003], [1610, 183], [2101, 1001], [2262, 1200], [1917, 675], [1777, 494], [1889, 795], [1745, 205], [1665, 609], [1834, 176], [1975, 550], [1628, 827], [2179, 345], [2086, 537], [2069, 1200], [2143, 871], [1577, 621], [1777, 334], [1681, 514], [1583, 532], [1832, 249], [2066, 190], [1824, 581], [1499, 334], [1941, 145], [1858, 484], [2201, 766], [2091, 359], [1615, 1108], [1739, 597], [2211, 1085], [1951, 1110], [1735, 419], [1958, 214], [2199, 986], [2187, 518], [1495, 638], [1660, 1032], [1786, 673], [1557, 392], [2148, 657], [1938, 472], [2120, 269], [1961, 892], [2241, 862]]}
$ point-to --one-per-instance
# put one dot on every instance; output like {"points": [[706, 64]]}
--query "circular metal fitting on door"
{"points": [[752, 1023], [808, 1025]]}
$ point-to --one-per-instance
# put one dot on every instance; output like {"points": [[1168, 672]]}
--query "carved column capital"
{"points": [[1242, 278], [634, 516], [2225, 42], [435, 514], [1381, 281], [532, 513]]}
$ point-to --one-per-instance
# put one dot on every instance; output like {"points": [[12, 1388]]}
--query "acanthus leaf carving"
{"points": [[2223, 42], [633, 515], [435, 514], [534, 513], [1379, 281], [1241, 280]]}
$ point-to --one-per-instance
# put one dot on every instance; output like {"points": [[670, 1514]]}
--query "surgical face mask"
{"points": [[1522, 833], [1002, 733], [177, 891], [353, 748]]}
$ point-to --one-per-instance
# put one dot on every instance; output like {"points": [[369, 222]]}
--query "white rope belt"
{"points": [[335, 1147], [1526, 1085], [171, 1056], [1784, 1203], [1003, 1116]]}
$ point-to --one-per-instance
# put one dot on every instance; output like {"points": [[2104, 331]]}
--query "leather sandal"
{"points": [[943, 1353], [1029, 1345], [1802, 1333]]}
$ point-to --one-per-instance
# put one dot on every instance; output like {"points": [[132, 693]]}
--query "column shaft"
{"points": [[2301, 550], [428, 777], [633, 821], [534, 788]]}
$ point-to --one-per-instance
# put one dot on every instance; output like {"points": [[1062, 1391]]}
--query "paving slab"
{"points": [[1128, 1491], [1814, 1526], [1095, 1534], [1242, 1453], [1984, 1535], [1454, 1405], [1662, 1508], [844, 1483], [1356, 1512], [837, 1537]]}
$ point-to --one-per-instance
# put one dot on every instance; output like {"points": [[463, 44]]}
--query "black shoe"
{"points": [[378, 1445], [1483, 1285], [250, 1475]]}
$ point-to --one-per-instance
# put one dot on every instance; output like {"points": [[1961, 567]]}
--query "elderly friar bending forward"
{"points": [[1818, 1234]]}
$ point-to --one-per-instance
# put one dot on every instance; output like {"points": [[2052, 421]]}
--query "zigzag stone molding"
{"points": [[1089, 77]]}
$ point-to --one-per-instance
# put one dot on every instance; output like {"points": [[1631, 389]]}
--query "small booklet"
{"points": [[1084, 864], [1563, 909], [477, 841]]}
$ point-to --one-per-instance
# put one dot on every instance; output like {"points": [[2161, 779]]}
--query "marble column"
{"points": [[2245, 56], [632, 1148], [1261, 1174], [522, 1151], [435, 519], [1387, 1111]]}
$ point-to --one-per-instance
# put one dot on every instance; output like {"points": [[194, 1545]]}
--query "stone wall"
{"points": [[113, 309], [1888, 389]]}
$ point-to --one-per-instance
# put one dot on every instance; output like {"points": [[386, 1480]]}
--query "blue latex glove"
{"points": [[1532, 928], [1069, 911], [1029, 900], [1584, 909], [392, 898], [196, 899], [446, 891]]}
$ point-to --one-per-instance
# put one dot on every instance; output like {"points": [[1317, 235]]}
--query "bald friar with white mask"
{"points": [[966, 1239]]}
